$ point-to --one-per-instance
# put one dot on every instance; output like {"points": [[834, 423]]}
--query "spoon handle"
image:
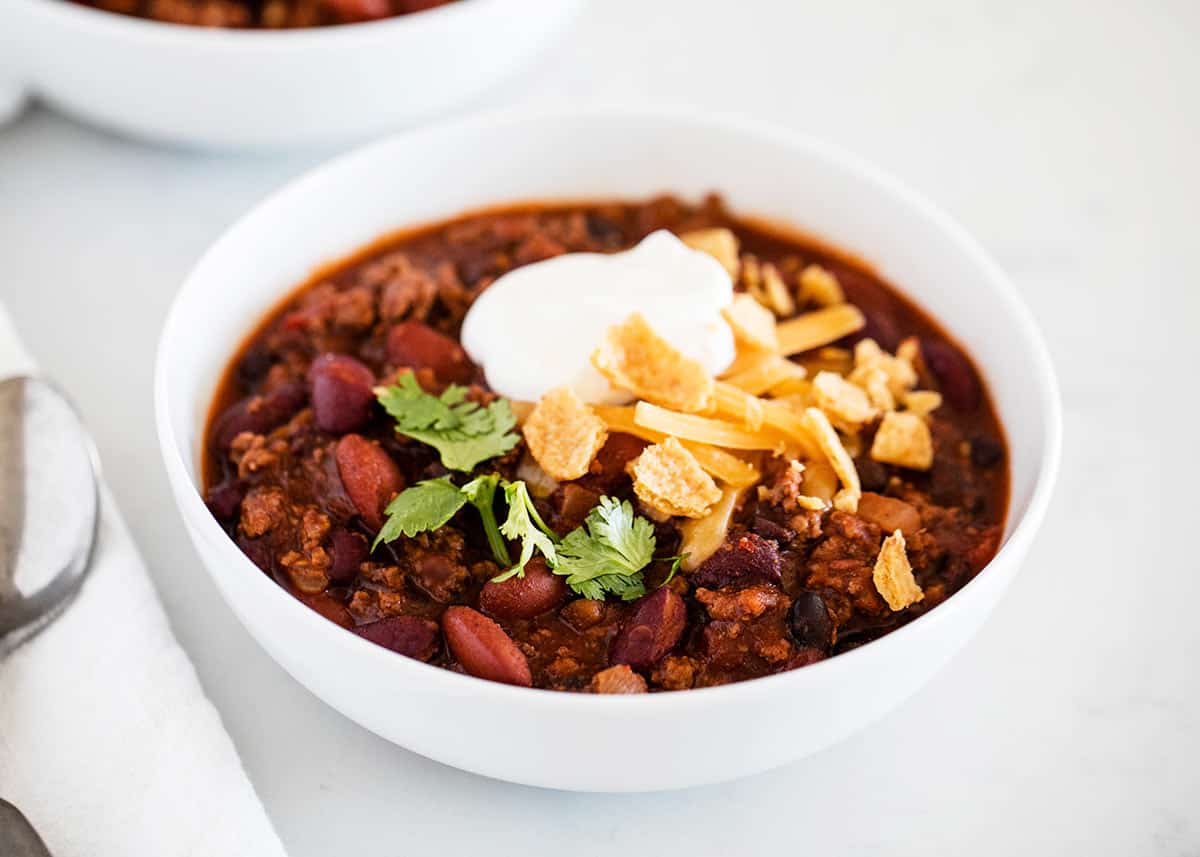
{"points": [[17, 836]]}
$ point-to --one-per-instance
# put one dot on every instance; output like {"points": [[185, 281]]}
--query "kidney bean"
{"points": [[612, 459], [650, 631], [768, 529], [410, 636], [888, 513], [810, 622], [748, 558], [329, 607], [369, 475], [259, 414], [350, 11], [419, 346], [956, 378], [342, 393], [347, 551], [878, 308], [225, 500], [483, 649], [258, 551], [524, 597]]}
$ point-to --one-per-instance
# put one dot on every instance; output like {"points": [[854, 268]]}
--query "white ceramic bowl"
{"points": [[565, 740], [253, 88]]}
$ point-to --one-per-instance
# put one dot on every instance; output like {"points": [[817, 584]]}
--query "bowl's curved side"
{"points": [[253, 89], [566, 740]]}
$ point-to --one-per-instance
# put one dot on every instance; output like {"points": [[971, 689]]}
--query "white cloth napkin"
{"points": [[107, 742]]}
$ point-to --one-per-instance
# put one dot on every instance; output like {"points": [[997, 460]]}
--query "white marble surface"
{"points": [[1064, 135]]}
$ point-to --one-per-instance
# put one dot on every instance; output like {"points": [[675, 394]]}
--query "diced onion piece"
{"points": [[821, 327], [735, 403], [720, 243], [719, 463], [843, 465], [702, 536], [752, 324], [771, 372], [541, 484], [704, 429]]}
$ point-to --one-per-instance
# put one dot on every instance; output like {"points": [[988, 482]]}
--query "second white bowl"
{"points": [[256, 88]]}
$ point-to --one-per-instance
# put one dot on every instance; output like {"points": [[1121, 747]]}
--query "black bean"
{"points": [[872, 474], [986, 451], [810, 621]]}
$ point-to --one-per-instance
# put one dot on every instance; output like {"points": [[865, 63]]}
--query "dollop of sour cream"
{"points": [[535, 328]]}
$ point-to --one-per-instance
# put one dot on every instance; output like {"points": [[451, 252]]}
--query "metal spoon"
{"points": [[49, 509]]}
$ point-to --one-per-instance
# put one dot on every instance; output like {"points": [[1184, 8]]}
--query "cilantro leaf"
{"points": [[413, 408], [607, 553], [526, 525], [463, 432], [425, 506], [481, 493]]}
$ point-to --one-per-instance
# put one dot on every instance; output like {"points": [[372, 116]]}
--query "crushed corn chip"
{"points": [[820, 327], [874, 381], [779, 299], [831, 446], [922, 402], [667, 478], [819, 286], [900, 373], [846, 405], [719, 243], [903, 439], [893, 574], [752, 323], [909, 350], [563, 434], [635, 358]]}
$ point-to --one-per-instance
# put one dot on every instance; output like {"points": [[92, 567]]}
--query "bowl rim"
{"points": [[438, 679], [148, 30]]}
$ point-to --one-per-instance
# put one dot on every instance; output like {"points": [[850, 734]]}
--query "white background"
{"points": [[1064, 135]]}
